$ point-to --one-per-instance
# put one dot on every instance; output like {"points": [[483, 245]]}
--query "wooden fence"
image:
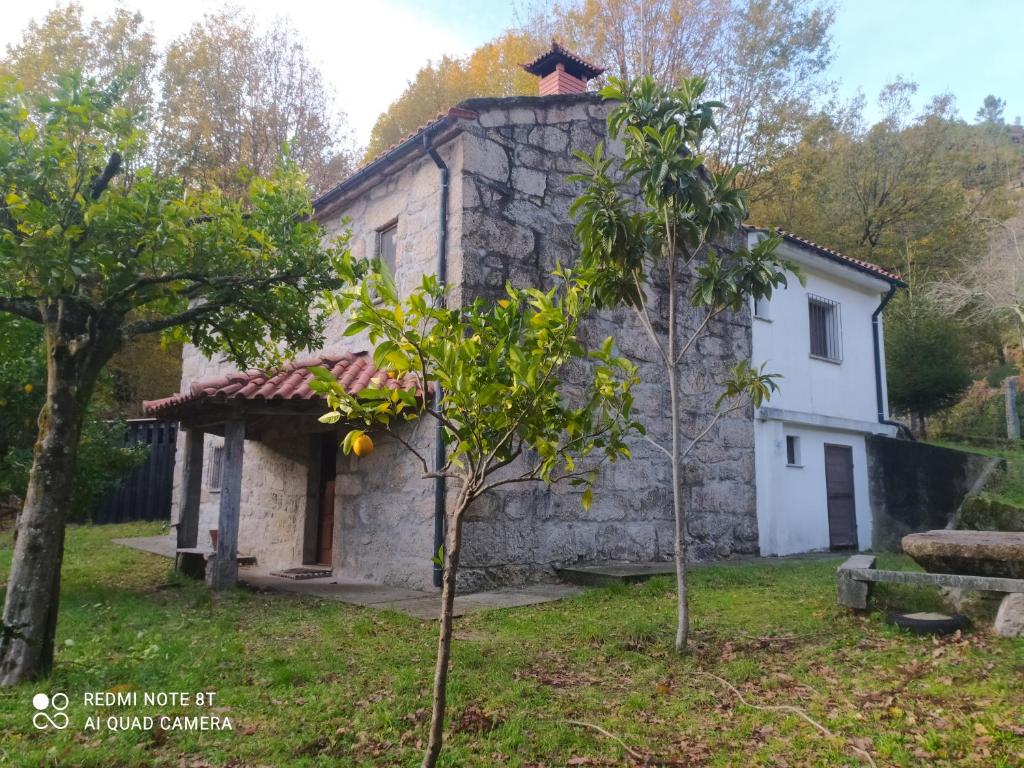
{"points": [[146, 493]]}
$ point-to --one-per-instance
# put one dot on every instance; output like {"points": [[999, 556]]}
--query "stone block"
{"points": [[530, 182], [1010, 617]]}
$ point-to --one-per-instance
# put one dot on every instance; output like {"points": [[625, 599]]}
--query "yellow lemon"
{"points": [[362, 446]]}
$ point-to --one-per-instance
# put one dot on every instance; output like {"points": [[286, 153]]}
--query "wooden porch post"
{"points": [[191, 487], [222, 570]]}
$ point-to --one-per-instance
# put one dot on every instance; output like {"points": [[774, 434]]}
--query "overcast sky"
{"points": [[369, 49]]}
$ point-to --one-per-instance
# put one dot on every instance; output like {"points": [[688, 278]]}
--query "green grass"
{"points": [[315, 683]]}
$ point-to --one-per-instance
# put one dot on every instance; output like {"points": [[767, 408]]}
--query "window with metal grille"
{"points": [[387, 245], [826, 332], [213, 475]]}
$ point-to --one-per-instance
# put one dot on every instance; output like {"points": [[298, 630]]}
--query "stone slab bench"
{"points": [[858, 573]]}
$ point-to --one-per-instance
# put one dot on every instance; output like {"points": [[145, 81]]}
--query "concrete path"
{"points": [[420, 604]]}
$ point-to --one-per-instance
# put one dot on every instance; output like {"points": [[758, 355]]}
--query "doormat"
{"points": [[304, 573]]}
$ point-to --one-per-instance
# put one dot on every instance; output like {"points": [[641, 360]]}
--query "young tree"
{"points": [[508, 414], [98, 259], [646, 225]]}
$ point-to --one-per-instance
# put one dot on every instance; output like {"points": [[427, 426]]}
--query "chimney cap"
{"points": [[576, 66]]}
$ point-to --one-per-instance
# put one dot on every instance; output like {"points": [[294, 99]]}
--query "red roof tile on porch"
{"points": [[355, 372]]}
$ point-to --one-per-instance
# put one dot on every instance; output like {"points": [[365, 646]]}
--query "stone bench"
{"points": [[858, 573]]}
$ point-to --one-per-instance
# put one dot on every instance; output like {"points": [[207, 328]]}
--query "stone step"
{"points": [[603, 574]]}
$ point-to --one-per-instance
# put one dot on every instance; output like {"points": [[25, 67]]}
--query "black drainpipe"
{"points": [[442, 278], [878, 359]]}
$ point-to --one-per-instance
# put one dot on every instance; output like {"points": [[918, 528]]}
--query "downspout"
{"points": [[876, 340], [442, 278]]}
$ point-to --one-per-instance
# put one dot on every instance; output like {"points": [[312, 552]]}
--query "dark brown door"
{"points": [[842, 519], [325, 522], [325, 529]]}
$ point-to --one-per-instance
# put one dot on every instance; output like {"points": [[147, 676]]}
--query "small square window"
{"points": [[793, 451], [762, 308], [387, 245], [216, 468], [826, 333]]}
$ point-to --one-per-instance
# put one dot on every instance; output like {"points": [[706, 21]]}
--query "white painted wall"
{"points": [[810, 385], [792, 511], [819, 402]]}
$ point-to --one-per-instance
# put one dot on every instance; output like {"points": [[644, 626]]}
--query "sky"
{"points": [[370, 49]]}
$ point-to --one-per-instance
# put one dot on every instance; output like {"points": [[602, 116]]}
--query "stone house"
{"points": [[481, 195]]}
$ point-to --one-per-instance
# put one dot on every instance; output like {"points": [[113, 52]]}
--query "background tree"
{"points": [[493, 69], [232, 96], [647, 225], [509, 415], [906, 185], [121, 44], [992, 287], [927, 358], [991, 110], [98, 259], [766, 59]]}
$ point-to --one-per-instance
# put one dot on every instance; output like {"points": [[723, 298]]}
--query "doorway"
{"points": [[842, 513], [325, 497]]}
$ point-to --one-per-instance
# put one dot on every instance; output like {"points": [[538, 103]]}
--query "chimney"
{"points": [[561, 71]]}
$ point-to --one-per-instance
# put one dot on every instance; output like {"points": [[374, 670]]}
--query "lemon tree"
{"points": [[507, 412]]}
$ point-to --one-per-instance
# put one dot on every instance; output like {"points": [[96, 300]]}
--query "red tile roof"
{"points": [[355, 372], [821, 250]]}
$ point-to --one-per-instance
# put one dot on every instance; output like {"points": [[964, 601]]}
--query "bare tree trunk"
{"points": [[453, 546], [33, 589]]}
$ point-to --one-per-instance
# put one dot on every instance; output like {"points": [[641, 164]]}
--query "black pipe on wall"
{"points": [[442, 278]]}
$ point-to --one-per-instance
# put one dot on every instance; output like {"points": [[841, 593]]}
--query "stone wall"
{"points": [[516, 227], [916, 487], [384, 513]]}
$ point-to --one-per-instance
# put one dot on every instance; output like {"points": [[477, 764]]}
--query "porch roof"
{"points": [[285, 391]]}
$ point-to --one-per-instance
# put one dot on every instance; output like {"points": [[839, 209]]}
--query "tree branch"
{"points": [[21, 306]]}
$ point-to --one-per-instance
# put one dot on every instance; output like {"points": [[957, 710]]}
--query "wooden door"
{"points": [[842, 518], [325, 521], [325, 526]]}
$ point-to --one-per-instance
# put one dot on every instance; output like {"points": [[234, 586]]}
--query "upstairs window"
{"points": [[826, 333], [387, 245]]}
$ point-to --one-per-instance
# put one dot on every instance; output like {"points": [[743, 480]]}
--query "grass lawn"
{"points": [[314, 683]]}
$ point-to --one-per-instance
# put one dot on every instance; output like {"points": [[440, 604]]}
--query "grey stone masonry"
{"points": [[516, 227]]}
